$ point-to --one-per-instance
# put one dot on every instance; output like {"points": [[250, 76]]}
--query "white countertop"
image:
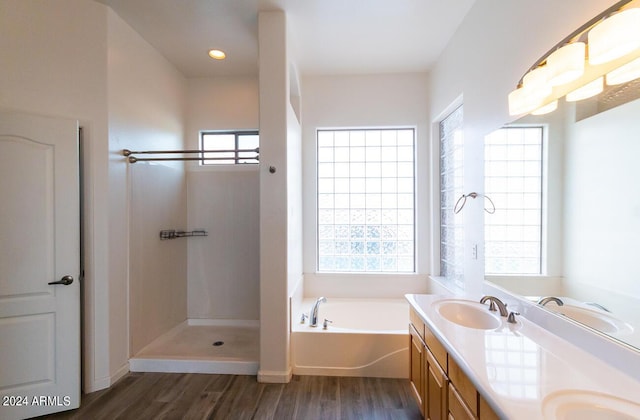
{"points": [[523, 370]]}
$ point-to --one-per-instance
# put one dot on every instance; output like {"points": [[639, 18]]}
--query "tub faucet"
{"points": [[543, 301], [313, 315], [494, 301]]}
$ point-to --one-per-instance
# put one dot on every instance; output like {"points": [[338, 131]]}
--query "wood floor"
{"points": [[202, 396]]}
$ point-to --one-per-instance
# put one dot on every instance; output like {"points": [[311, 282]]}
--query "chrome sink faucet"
{"points": [[544, 300], [313, 315], [494, 301]]}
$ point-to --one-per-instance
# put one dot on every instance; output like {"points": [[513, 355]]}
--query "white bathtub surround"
{"points": [[367, 337], [189, 348], [525, 371], [368, 285]]}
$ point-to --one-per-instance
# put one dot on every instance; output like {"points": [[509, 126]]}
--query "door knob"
{"points": [[66, 280]]}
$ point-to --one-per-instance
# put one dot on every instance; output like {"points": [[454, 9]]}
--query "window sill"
{"points": [[223, 168]]}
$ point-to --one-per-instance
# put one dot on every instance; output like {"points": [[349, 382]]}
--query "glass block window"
{"points": [[513, 180], [229, 147], [451, 188], [366, 200]]}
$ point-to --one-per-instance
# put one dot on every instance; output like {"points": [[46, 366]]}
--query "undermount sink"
{"points": [[467, 313], [588, 405], [599, 320]]}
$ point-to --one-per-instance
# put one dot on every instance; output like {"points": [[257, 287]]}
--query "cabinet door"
{"points": [[486, 412], [458, 409], [464, 386], [436, 389], [416, 368]]}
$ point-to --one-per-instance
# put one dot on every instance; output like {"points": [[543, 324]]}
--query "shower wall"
{"points": [[224, 267], [146, 98]]}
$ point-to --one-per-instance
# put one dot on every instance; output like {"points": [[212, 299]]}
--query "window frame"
{"points": [[202, 162]]}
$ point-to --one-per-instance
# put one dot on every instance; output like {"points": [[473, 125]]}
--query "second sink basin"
{"points": [[599, 320], [588, 405], [467, 313]]}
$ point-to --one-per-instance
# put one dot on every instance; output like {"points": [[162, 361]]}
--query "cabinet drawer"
{"points": [[417, 322], [436, 348], [464, 386]]}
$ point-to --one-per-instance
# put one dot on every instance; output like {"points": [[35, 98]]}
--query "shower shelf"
{"points": [[173, 234]]}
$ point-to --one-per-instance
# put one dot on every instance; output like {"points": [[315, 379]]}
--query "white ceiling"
{"points": [[329, 36]]}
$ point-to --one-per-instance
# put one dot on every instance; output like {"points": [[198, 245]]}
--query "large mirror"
{"points": [[589, 217]]}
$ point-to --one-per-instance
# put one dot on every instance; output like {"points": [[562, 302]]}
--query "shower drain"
{"points": [[218, 343]]}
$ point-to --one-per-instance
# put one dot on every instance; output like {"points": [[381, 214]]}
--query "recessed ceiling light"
{"points": [[217, 54]]}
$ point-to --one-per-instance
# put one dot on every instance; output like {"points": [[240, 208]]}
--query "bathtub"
{"points": [[367, 337]]}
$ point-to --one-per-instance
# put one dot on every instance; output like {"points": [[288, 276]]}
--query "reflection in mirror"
{"points": [[588, 220]]}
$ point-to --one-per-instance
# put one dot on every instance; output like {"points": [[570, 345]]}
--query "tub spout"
{"points": [[313, 315], [544, 300]]}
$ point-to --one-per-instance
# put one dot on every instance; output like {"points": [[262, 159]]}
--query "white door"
{"points": [[39, 244]]}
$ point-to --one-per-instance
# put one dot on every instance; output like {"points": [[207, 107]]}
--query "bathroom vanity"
{"points": [[470, 363], [440, 387]]}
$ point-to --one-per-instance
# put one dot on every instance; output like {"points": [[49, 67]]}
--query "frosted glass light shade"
{"points": [[624, 74], [566, 64], [538, 79], [524, 100], [586, 91], [614, 37], [550, 107]]}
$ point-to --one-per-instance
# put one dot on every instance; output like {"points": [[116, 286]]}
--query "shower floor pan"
{"points": [[203, 346]]}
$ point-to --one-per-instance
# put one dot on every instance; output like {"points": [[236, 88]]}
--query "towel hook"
{"points": [[463, 200]]}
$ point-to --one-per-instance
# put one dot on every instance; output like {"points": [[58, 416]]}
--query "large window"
{"points": [[229, 147], [366, 200], [451, 186], [513, 180]]}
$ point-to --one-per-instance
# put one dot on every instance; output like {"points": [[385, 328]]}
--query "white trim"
{"points": [[242, 167], [123, 370], [97, 385], [275, 377]]}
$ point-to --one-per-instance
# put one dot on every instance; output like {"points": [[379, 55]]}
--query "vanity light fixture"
{"points": [[566, 64], [607, 45], [615, 37], [217, 54], [587, 91], [625, 73], [546, 109]]}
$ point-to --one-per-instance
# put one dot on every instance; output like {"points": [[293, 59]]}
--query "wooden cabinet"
{"points": [[442, 390], [464, 388], [416, 367], [458, 408], [436, 381]]}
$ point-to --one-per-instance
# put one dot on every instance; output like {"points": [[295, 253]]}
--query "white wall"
{"points": [[54, 62], [493, 47], [224, 267], [146, 112], [602, 218], [277, 197], [221, 103], [59, 58], [383, 100]]}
